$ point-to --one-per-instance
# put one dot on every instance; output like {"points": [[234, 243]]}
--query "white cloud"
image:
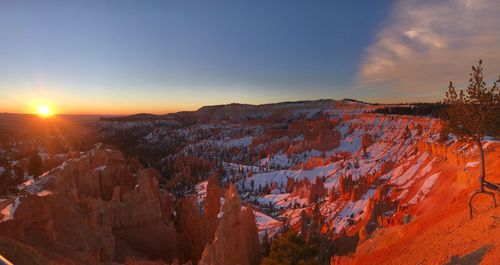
{"points": [[427, 43]]}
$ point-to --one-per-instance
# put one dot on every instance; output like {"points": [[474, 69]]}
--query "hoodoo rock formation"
{"points": [[192, 232], [196, 228], [236, 239], [212, 207], [94, 208]]}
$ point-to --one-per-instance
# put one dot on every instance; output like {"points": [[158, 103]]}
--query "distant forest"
{"points": [[415, 109]]}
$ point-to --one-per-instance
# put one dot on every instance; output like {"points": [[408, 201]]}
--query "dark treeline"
{"points": [[415, 109]]}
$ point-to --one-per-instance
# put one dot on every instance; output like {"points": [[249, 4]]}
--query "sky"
{"points": [[124, 57]]}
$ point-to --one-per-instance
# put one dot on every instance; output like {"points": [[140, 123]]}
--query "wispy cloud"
{"points": [[427, 43]]}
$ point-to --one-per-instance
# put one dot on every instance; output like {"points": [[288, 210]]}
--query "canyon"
{"points": [[210, 186]]}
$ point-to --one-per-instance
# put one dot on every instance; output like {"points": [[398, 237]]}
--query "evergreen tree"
{"points": [[291, 249], [473, 114], [266, 245], [35, 165], [5, 181], [18, 173]]}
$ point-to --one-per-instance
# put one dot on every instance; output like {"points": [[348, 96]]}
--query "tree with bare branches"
{"points": [[472, 114]]}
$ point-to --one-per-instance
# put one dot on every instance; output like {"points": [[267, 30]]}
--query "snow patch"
{"points": [[9, 210], [472, 164], [352, 211], [266, 223], [44, 193], [424, 189], [410, 173], [101, 168]]}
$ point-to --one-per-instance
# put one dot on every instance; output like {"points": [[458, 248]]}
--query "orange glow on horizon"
{"points": [[40, 107]]}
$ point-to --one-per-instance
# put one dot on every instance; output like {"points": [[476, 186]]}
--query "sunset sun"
{"points": [[44, 111]]}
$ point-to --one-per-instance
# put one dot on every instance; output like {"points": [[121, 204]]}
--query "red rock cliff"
{"points": [[236, 239]]}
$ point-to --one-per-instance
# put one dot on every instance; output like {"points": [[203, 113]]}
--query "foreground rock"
{"points": [[236, 239], [94, 208]]}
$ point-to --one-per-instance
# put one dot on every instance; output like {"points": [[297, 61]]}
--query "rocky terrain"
{"points": [[212, 186], [99, 207]]}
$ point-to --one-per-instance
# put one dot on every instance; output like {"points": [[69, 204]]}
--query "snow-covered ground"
{"points": [[266, 223], [395, 140]]}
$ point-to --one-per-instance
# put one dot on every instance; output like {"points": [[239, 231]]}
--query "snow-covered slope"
{"points": [[357, 155]]}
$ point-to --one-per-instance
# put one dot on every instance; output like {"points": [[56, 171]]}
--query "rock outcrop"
{"points": [[212, 207], [367, 140], [236, 239], [191, 229], [94, 208]]}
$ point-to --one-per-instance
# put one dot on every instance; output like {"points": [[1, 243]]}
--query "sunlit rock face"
{"points": [[95, 208], [236, 239], [212, 206]]}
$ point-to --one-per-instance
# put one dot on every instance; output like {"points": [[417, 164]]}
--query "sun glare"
{"points": [[44, 111]]}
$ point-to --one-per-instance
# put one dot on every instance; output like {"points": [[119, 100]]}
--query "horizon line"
{"points": [[222, 104]]}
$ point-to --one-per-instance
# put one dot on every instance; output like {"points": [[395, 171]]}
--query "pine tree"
{"points": [[35, 165], [473, 114], [266, 245], [5, 181], [291, 249]]}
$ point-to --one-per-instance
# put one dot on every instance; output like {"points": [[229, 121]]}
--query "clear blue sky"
{"points": [[162, 56]]}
